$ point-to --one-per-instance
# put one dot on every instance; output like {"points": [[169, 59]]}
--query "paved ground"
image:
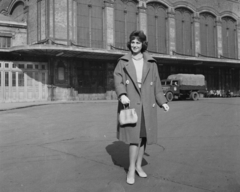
{"points": [[71, 147]]}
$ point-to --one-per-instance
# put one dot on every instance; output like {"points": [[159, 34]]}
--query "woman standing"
{"points": [[137, 84]]}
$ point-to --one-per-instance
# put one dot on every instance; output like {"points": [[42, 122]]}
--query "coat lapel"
{"points": [[146, 65], [131, 70]]}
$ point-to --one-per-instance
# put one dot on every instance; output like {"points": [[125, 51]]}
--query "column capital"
{"points": [[196, 19], [109, 3], [219, 21], [142, 4], [142, 9], [171, 14]]}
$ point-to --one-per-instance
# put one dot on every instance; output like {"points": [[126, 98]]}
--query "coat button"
{"points": [[153, 105], [127, 82], [151, 83]]}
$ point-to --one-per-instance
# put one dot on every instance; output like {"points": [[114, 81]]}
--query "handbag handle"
{"points": [[124, 106]]}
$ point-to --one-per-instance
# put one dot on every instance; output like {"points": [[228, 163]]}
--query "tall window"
{"points": [[6, 79], [20, 79], [14, 79], [184, 31], [229, 37], [90, 23], [208, 34], [5, 42], [156, 19], [125, 21]]}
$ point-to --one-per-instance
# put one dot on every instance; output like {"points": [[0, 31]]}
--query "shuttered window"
{"points": [[184, 31], [229, 37], [208, 34], [156, 19], [90, 23], [125, 21]]}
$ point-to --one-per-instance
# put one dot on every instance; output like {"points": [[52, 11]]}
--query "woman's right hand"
{"points": [[124, 100]]}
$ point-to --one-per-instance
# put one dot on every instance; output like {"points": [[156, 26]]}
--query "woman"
{"points": [[137, 84]]}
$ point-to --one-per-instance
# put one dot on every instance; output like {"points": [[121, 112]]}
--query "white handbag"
{"points": [[128, 116]]}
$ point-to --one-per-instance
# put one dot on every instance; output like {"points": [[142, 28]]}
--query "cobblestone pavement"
{"points": [[72, 147]]}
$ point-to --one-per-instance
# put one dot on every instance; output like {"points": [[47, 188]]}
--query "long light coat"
{"points": [[125, 80]]}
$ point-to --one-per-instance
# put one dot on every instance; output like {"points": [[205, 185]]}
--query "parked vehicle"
{"points": [[184, 86]]}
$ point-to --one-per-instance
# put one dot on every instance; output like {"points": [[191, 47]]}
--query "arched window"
{"points": [[90, 23], [184, 31], [208, 34], [156, 20], [125, 21], [17, 11], [229, 37]]}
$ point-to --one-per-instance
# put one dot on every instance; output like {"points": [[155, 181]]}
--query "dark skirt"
{"points": [[143, 127]]}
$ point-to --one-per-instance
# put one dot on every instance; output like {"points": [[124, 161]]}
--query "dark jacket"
{"points": [[125, 80]]}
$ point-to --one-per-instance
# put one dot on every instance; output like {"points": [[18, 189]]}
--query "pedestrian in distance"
{"points": [[138, 85]]}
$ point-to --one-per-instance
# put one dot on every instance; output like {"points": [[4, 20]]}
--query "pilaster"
{"points": [[142, 17], [197, 35], [172, 31], [74, 21], [26, 16], [219, 37], [109, 23], [238, 39]]}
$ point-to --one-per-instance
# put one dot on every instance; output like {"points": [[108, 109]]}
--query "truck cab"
{"points": [[170, 88]]}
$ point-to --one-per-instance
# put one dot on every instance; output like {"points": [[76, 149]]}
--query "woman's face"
{"points": [[136, 46]]}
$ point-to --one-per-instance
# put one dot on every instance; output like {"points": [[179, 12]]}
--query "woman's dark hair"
{"points": [[140, 36]]}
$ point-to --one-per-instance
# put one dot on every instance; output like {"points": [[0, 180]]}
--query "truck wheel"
{"points": [[194, 96], [169, 96]]}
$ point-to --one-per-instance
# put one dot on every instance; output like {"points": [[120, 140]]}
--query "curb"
{"points": [[28, 105]]}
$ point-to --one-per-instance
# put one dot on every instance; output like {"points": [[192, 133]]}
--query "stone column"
{"points": [[109, 23], [238, 39], [74, 21], [26, 15], [142, 16], [219, 38], [172, 32], [51, 19], [197, 35]]}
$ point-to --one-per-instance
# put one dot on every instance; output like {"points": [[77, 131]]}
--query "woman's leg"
{"points": [[140, 154], [133, 153]]}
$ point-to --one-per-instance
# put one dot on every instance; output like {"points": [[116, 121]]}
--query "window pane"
{"points": [[29, 66], [21, 66], [21, 80], [43, 78], [6, 79], [29, 79], [14, 79], [6, 65]]}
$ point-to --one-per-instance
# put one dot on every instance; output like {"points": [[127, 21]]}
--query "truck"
{"points": [[183, 86]]}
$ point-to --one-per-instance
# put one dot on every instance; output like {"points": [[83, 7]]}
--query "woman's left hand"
{"points": [[165, 107]]}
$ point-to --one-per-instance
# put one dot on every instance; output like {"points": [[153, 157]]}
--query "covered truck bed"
{"points": [[188, 79]]}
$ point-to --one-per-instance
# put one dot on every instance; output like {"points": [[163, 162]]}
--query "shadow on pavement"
{"points": [[119, 151]]}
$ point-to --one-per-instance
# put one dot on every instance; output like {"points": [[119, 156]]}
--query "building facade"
{"points": [[68, 49]]}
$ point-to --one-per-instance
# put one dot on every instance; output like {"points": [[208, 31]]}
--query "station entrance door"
{"points": [[23, 81]]}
